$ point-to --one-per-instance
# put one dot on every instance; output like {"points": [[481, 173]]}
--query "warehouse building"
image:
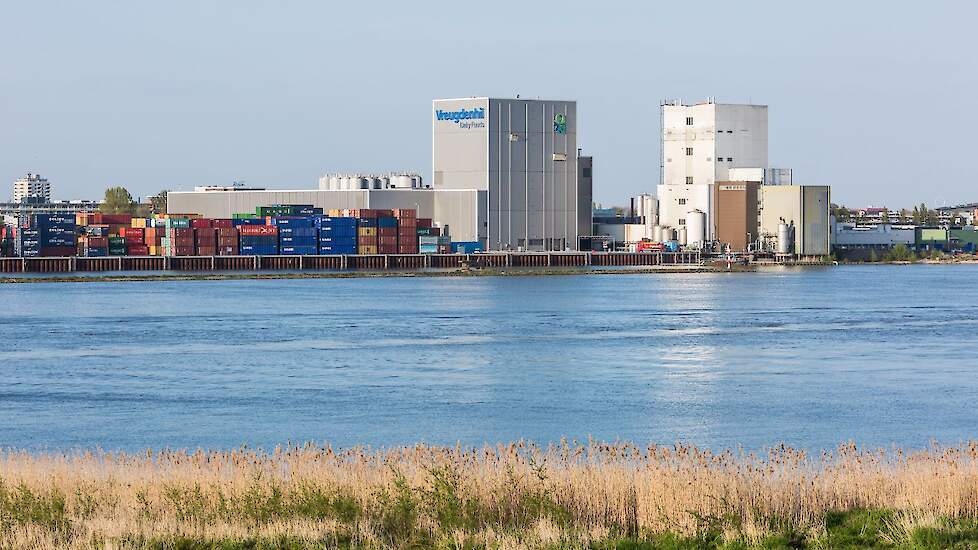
{"points": [[736, 219], [523, 153]]}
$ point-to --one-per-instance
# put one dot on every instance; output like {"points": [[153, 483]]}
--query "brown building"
{"points": [[736, 207]]}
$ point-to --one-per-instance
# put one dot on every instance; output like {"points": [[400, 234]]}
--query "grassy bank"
{"points": [[512, 496]]}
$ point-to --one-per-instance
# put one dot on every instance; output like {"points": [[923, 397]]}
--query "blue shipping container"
{"points": [[338, 240], [292, 231], [337, 249], [297, 241], [466, 247], [259, 250], [349, 231], [292, 222], [367, 222], [336, 222], [299, 250], [387, 222], [248, 221]]}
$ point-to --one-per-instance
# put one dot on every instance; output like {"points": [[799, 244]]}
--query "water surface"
{"points": [[883, 355]]}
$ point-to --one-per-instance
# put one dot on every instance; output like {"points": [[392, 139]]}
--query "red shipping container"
{"points": [[183, 251], [222, 223], [200, 223], [407, 222], [435, 232], [386, 249], [117, 219], [182, 242], [258, 230], [413, 231], [96, 242], [134, 241], [389, 241], [386, 231], [59, 251], [206, 236], [401, 249], [367, 241], [384, 213], [424, 222], [207, 251], [227, 241], [131, 232], [227, 251], [405, 213], [180, 232], [137, 250], [227, 232]]}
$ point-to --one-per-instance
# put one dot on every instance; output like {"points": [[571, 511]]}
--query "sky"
{"points": [[875, 99]]}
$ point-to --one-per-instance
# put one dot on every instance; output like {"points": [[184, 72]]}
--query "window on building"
{"points": [[587, 171], [689, 121], [689, 151], [682, 221], [682, 201], [689, 180], [729, 159]]}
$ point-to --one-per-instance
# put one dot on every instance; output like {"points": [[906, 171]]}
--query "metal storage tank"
{"points": [[400, 181], [657, 233], [695, 228], [785, 240], [682, 236], [334, 183], [416, 182]]}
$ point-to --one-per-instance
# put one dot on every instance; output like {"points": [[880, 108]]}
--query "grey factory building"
{"points": [[523, 153]]}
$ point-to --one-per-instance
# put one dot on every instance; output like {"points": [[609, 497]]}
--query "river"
{"points": [[812, 357]]}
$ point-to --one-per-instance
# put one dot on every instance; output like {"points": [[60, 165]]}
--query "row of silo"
{"points": [[355, 182]]}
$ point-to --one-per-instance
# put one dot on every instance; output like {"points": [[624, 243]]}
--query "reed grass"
{"points": [[566, 495]]}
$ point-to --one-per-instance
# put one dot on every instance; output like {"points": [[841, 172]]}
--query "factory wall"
{"points": [[736, 213]]}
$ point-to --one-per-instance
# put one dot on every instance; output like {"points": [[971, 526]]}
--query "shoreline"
{"points": [[471, 272]]}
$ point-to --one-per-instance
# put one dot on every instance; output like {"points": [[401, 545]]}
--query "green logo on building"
{"points": [[560, 123]]}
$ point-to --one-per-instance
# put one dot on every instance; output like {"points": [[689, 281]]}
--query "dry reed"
{"points": [[508, 496]]}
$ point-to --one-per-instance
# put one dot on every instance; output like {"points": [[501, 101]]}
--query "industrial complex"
{"points": [[507, 176]]}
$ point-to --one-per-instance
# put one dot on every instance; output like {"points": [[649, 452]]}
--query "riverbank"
{"points": [[469, 272], [568, 495]]}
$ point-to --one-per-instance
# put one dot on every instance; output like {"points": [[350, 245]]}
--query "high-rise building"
{"points": [[523, 152], [701, 143], [32, 186]]}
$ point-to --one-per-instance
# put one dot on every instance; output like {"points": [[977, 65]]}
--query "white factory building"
{"points": [[701, 144]]}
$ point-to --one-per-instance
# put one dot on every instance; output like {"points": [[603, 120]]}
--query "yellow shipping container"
{"points": [[367, 249], [367, 231], [334, 213]]}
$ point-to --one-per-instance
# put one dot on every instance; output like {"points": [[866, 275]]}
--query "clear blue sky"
{"points": [[873, 98]]}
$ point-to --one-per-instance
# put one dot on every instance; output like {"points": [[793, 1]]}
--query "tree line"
{"points": [[118, 200]]}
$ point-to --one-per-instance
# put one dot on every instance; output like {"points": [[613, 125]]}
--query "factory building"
{"points": [[806, 207], [523, 153], [701, 144], [736, 219]]}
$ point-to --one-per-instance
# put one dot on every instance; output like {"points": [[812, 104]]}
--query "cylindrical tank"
{"points": [[657, 233], [682, 236], [784, 238], [695, 228], [416, 182], [363, 182], [665, 234], [400, 181], [334, 183]]}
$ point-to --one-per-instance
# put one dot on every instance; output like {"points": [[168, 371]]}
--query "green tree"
{"points": [[117, 201], [885, 217], [159, 202]]}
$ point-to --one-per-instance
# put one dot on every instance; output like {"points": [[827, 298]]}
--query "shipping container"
{"points": [[339, 231], [367, 231], [386, 221], [405, 213], [424, 222], [258, 230]]}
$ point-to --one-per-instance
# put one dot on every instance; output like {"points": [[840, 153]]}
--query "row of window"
{"points": [[689, 122], [689, 153]]}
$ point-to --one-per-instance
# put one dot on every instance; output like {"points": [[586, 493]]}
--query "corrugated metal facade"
{"points": [[735, 205]]}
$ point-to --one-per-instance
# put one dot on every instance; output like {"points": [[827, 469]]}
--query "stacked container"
{"points": [[56, 234], [337, 235], [227, 237], [205, 237], [367, 232], [258, 240], [117, 246], [179, 237], [135, 238], [386, 234], [29, 243], [407, 230], [296, 236]]}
